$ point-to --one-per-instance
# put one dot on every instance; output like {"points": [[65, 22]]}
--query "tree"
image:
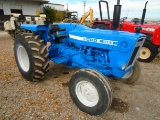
{"points": [[50, 13]]}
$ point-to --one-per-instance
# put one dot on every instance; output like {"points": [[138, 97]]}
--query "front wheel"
{"points": [[132, 75], [148, 52], [90, 91]]}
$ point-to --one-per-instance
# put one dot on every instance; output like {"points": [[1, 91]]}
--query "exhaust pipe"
{"points": [[116, 15], [144, 13]]}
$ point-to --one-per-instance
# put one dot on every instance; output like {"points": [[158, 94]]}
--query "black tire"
{"points": [[101, 26], [149, 37], [132, 75], [97, 96], [31, 56], [148, 52], [157, 49]]}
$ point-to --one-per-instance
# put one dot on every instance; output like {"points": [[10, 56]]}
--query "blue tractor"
{"points": [[98, 53]]}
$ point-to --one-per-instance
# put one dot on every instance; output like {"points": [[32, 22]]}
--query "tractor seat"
{"points": [[136, 20], [55, 28]]}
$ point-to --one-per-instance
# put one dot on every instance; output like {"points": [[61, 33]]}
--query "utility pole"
{"points": [[84, 6], [67, 7]]}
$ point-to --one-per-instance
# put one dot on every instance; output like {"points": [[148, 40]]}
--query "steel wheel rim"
{"points": [[87, 93], [23, 58], [145, 53], [128, 74]]}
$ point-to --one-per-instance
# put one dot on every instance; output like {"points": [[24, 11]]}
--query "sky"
{"points": [[130, 8]]}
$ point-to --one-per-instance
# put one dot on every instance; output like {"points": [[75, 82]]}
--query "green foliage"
{"points": [[52, 14]]}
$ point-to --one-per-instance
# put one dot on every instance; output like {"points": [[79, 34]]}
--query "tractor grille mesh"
{"points": [[135, 52], [133, 56]]}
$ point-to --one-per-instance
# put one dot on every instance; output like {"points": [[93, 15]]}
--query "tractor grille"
{"points": [[135, 52], [133, 55]]}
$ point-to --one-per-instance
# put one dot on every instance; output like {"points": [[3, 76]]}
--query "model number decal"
{"points": [[101, 41], [149, 29]]}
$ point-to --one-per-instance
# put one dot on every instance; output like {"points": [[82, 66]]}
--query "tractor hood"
{"points": [[146, 28], [105, 39]]}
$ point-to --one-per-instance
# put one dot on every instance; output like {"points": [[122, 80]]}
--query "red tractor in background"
{"points": [[152, 43], [104, 23]]}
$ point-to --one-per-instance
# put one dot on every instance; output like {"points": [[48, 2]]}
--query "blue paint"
{"points": [[107, 51], [41, 30]]}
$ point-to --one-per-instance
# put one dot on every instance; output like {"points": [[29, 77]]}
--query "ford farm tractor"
{"points": [[98, 53], [152, 31]]}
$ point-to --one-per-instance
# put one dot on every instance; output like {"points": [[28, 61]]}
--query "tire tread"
{"points": [[39, 55]]}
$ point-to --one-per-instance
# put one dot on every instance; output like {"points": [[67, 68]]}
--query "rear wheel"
{"points": [[31, 56], [133, 75], [148, 52], [90, 91]]}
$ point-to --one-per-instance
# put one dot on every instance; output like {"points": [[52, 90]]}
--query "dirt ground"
{"points": [[50, 99]]}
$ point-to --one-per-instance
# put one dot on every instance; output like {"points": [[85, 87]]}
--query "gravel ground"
{"points": [[50, 99]]}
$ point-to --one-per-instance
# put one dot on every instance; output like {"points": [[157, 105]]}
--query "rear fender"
{"points": [[41, 30]]}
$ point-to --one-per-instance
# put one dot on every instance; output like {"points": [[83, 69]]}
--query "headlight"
{"points": [[124, 45], [121, 65]]}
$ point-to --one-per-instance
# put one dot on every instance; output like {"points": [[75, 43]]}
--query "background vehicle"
{"points": [[98, 54], [152, 42], [89, 13], [71, 17], [104, 23], [152, 31], [12, 26]]}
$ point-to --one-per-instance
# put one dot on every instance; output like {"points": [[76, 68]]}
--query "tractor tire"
{"points": [[133, 75], [90, 91], [100, 26], [31, 56], [148, 52]]}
